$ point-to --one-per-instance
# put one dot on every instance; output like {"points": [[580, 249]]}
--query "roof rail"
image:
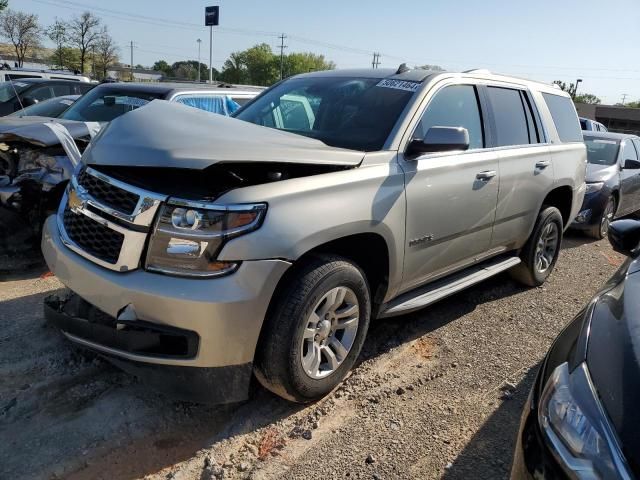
{"points": [[478, 70]]}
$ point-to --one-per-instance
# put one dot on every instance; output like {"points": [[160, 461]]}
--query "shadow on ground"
{"points": [[489, 453]]}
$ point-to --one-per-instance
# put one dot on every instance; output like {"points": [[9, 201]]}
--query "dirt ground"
{"points": [[438, 394]]}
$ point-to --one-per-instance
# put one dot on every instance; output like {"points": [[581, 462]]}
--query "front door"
{"points": [[629, 181], [451, 197]]}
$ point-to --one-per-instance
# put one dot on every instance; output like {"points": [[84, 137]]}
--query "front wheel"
{"points": [[315, 330], [600, 230], [540, 253]]}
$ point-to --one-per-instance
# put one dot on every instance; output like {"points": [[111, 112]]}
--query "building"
{"points": [[123, 72], [616, 119]]}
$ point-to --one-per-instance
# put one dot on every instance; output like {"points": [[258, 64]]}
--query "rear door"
{"points": [[451, 197], [526, 170], [629, 180]]}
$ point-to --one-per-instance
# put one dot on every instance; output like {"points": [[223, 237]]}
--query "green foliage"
{"points": [[587, 98], [259, 65], [65, 57], [635, 104], [3, 4], [184, 70]]}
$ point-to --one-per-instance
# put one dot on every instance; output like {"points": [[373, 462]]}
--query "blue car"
{"points": [[613, 181]]}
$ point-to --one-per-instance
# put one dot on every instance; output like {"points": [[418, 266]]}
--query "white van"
{"points": [[21, 73]]}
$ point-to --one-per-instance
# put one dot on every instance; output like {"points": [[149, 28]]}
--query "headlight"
{"points": [[576, 425], [188, 236], [593, 187]]}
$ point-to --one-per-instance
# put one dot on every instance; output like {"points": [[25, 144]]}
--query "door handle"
{"points": [[486, 175], [542, 164]]}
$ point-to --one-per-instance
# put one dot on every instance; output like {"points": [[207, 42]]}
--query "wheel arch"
{"points": [[560, 197]]}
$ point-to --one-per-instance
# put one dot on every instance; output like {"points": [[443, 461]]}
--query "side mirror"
{"points": [[28, 101], [440, 139], [624, 236], [631, 164]]}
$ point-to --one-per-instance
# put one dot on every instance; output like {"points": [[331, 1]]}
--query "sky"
{"points": [[543, 40]]}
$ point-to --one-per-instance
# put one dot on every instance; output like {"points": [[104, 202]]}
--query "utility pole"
{"points": [[132, 60], [375, 63], [575, 88], [210, 53], [199, 42], [282, 47], [624, 98]]}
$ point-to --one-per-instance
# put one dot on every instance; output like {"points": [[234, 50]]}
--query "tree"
{"points": [[296, 63], [234, 69], [587, 98], [162, 66], [3, 4], [57, 33], [106, 52], [262, 68], [22, 30], [84, 34]]}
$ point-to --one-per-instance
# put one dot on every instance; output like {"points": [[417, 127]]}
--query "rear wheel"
{"points": [[600, 229], [315, 330], [541, 251]]}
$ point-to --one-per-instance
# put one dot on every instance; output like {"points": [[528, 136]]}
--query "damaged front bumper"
{"points": [[225, 314]]}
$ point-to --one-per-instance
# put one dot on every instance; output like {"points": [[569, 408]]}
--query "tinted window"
{"points": [[629, 152], [60, 90], [66, 78], [39, 93], [601, 151], [18, 76], [509, 114], [564, 117], [82, 88], [583, 124], [455, 106], [8, 90], [48, 108], [350, 112]]}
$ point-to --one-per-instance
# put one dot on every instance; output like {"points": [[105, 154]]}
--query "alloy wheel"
{"points": [[330, 332], [547, 247], [606, 219]]}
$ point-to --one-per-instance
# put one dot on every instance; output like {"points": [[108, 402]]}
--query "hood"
{"points": [[600, 173], [613, 358], [172, 135], [33, 130]]}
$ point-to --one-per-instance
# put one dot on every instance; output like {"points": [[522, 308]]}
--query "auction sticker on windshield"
{"points": [[399, 84]]}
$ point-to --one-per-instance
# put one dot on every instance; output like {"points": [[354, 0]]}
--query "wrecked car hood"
{"points": [[35, 131], [172, 135]]}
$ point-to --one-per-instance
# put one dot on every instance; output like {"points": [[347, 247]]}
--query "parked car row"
{"points": [[202, 250], [35, 161]]}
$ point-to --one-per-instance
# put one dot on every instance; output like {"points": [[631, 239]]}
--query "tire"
{"points": [[288, 350], [599, 231], [528, 272]]}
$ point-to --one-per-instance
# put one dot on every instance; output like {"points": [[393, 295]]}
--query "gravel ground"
{"points": [[438, 394]]}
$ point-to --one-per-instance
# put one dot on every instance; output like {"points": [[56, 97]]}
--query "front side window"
{"points": [[60, 90], [104, 105], [564, 117], [601, 151], [39, 93], [347, 112], [454, 106], [8, 90]]}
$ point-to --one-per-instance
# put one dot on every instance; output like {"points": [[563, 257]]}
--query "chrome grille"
{"points": [[108, 194], [91, 236]]}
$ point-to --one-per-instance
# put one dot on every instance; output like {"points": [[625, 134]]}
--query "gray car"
{"points": [[204, 250]]}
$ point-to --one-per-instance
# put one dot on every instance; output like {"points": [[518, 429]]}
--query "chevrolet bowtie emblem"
{"points": [[76, 203]]}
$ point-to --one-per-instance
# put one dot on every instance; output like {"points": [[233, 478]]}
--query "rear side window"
{"points": [[60, 90], [512, 114], [583, 124], [454, 106], [629, 152], [564, 117]]}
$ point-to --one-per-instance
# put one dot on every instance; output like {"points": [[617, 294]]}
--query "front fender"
{"points": [[305, 213]]}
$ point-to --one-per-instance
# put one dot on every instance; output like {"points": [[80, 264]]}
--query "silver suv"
{"points": [[204, 250]]}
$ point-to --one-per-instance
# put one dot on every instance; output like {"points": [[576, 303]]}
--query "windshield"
{"points": [[103, 105], [49, 108], [353, 113], [8, 91], [601, 151]]}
